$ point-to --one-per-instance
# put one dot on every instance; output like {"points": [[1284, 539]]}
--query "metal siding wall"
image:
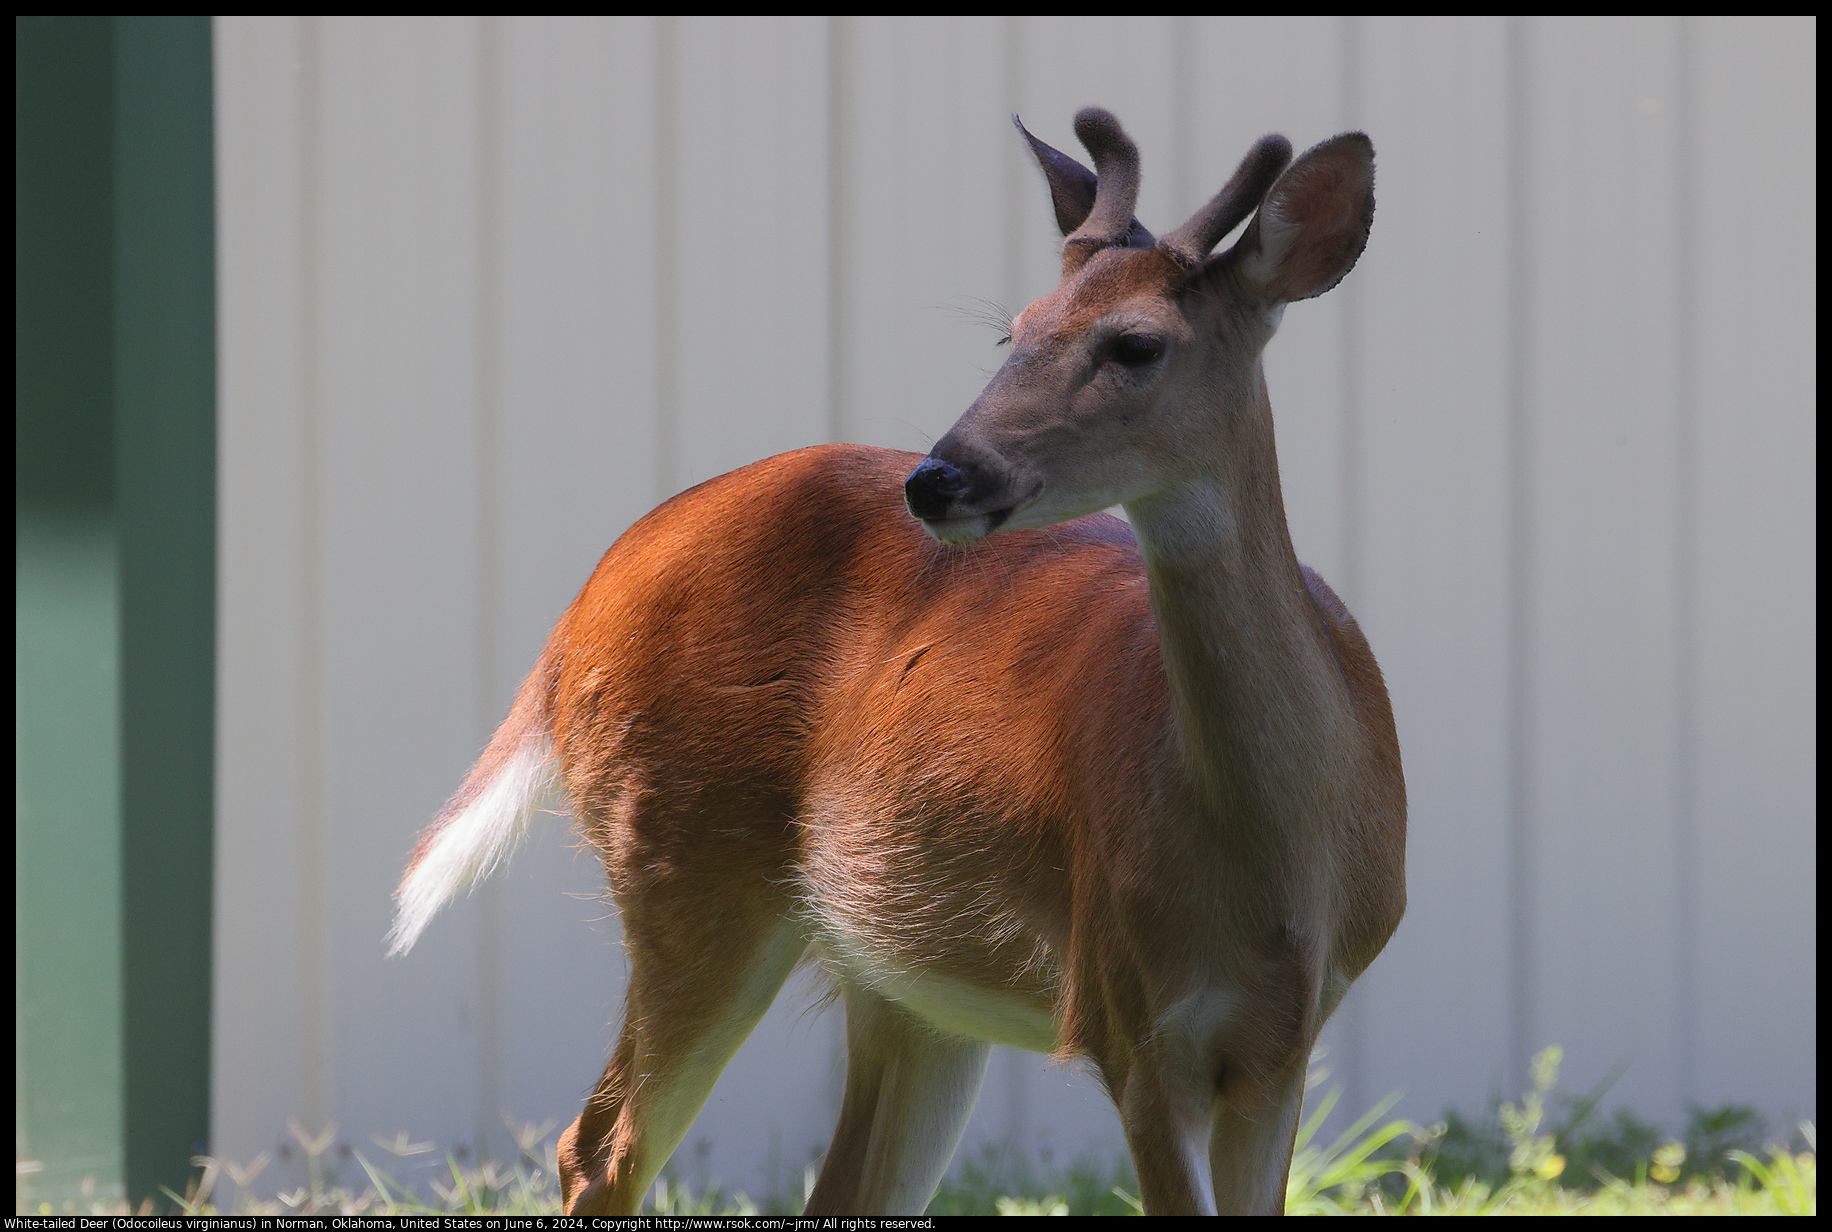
{"points": [[922, 203], [577, 444], [258, 1041], [1751, 583], [398, 426], [491, 288], [1425, 499], [1599, 376]]}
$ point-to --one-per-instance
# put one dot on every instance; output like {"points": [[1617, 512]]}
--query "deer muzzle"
{"points": [[959, 494]]}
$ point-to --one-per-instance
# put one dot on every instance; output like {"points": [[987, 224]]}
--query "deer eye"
{"points": [[1136, 350]]}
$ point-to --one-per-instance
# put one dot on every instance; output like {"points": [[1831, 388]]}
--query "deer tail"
{"points": [[487, 818]]}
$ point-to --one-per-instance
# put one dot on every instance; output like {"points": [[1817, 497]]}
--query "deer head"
{"points": [[1136, 374]]}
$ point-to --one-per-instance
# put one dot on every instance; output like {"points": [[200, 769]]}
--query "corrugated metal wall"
{"points": [[491, 288]]}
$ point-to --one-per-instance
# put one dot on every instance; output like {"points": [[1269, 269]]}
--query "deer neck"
{"points": [[1259, 700]]}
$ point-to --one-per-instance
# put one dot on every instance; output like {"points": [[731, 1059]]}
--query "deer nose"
{"points": [[931, 486]]}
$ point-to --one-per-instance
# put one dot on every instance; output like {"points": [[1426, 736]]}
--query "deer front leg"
{"points": [[1210, 1111], [1168, 1112], [1200, 1152], [909, 1092], [1250, 1149]]}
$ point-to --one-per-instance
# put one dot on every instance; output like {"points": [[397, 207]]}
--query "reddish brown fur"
{"points": [[891, 685], [1157, 804], [899, 687], [898, 690]]}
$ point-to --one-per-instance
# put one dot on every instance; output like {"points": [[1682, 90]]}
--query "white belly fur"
{"points": [[961, 1009], [947, 1004]]}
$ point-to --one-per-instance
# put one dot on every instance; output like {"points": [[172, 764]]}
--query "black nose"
{"points": [[931, 486]]}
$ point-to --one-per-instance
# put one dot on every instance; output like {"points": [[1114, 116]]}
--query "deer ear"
{"points": [[1072, 189], [1071, 184], [1314, 223]]}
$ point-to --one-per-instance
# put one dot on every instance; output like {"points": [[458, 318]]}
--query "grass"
{"points": [[1525, 1161], [1524, 1164]]}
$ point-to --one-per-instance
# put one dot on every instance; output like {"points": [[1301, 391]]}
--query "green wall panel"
{"points": [[67, 638], [115, 598], [165, 484]]}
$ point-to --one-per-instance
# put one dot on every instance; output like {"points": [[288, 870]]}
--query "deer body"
{"points": [[1127, 796]]}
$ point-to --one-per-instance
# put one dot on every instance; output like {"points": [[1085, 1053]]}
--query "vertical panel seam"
{"points": [[1685, 536], [1182, 118], [837, 367], [314, 991], [487, 462], [1520, 545], [1011, 40], [667, 230]]}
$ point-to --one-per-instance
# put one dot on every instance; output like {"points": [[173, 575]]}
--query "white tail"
{"points": [[1011, 771], [482, 825]]}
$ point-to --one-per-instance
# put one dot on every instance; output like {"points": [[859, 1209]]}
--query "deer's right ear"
{"points": [[1314, 223], [1071, 184]]}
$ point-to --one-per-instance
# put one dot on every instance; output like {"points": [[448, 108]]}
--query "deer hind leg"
{"points": [[690, 1004], [909, 1092]]}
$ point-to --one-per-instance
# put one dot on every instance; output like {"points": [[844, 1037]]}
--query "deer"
{"points": [[1005, 768]]}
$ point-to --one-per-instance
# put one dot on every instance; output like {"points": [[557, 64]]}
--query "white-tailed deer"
{"points": [[1131, 796]]}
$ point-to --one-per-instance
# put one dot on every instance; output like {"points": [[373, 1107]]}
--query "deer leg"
{"points": [[1250, 1152], [690, 1004], [909, 1092], [1167, 1119]]}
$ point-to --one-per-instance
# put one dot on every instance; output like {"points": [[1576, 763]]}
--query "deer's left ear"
{"points": [[1314, 223]]}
